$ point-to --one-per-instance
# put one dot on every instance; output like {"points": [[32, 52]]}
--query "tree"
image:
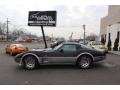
{"points": [[91, 37], [115, 48], [102, 40], [18, 32], [2, 28], [109, 43]]}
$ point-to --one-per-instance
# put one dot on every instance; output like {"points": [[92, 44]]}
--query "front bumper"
{"points": [[19, 61], [18, 57]]}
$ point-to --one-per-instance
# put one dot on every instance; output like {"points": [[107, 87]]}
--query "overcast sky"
{"points": [[71, 15]]}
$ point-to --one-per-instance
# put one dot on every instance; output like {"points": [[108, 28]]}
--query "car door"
{"points": [[65, 54]]}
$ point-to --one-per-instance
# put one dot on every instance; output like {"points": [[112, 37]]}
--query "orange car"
{"points": [[14, 49]]}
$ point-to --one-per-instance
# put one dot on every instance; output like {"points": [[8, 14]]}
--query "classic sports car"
{"points": [[14, 49], [64, 53]]}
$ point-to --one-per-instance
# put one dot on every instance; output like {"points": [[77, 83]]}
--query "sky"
{"points": [[71, 15]]}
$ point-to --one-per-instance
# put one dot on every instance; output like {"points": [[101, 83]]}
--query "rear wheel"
{"points": [[30, 62], [84, 62], [6, 52]]}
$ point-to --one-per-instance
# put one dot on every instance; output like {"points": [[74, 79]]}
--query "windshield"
{"points": [[57, 47]]}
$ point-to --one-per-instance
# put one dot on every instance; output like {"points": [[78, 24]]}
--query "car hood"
{"points": [[37, 51]]}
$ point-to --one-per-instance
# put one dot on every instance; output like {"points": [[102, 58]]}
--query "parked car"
{"points": [[28, 40], [97, 45], [64, 53], [14, 49]]}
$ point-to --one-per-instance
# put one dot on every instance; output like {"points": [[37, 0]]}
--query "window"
{"points": [[83, 46], [69, 47], [97, 43], [57, 47]]}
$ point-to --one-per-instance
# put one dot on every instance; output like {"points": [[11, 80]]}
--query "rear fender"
{"points": [[85, 54]]}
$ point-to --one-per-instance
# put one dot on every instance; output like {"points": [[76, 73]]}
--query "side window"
{"points": [[69, 47], [79, 47], [83, 46]]}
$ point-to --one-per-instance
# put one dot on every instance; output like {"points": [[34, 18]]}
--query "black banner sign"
{"points": [[42, 18]]}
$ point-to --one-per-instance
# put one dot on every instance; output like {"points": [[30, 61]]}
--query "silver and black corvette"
{"points": [[65, 53]]}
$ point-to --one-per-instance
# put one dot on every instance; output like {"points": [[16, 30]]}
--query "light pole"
{"points": [[7, 29], [84, 32]]}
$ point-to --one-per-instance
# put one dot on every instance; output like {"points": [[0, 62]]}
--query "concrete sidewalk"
{"points": [[115, 52]]}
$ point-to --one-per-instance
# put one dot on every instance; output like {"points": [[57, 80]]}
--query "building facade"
{"points": [[110, 26]]}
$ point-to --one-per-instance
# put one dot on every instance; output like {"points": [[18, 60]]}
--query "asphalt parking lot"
{"points": [[106, 72]]}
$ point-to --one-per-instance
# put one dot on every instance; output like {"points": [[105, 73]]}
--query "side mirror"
{"points": [[61, 50]]}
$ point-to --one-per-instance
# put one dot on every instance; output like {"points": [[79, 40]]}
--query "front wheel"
{"points": [[30, 62], [84, 62]]}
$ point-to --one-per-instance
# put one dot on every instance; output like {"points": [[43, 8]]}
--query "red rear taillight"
{"points": [[15, 47]]}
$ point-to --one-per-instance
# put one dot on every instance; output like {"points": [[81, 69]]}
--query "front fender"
{"points": [[32, 54]]}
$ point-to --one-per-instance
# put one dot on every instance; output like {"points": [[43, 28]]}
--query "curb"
{"points": [[115, 53]]}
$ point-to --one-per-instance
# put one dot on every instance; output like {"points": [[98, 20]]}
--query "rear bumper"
{"points": [[17, 52], [99, 58]]}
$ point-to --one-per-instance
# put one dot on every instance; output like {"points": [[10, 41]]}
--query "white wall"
{"points": [[113, 29], [107, 37]]}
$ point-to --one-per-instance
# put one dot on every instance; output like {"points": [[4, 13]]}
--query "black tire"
{"points": [[30, 62], [6, 52], [11, 53], [84, 62]]}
